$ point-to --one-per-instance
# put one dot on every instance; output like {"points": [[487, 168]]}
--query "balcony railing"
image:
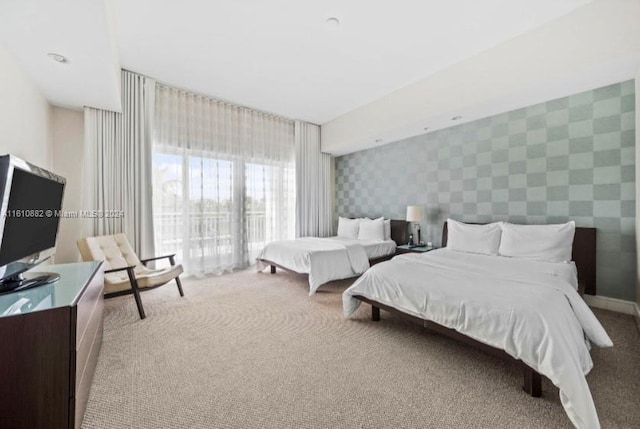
{"points": [[207, 232]]}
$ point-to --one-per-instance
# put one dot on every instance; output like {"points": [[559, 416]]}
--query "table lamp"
{"points": [[414, 215]]}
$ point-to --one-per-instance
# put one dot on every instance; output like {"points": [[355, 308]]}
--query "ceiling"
{"points": [[77, 29], [594, 46], [281, 56], [278, 56]]}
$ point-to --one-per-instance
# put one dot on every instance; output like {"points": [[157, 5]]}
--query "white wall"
{"points": [[25, 116], [50, 137], [596, 45], [68, 153]]}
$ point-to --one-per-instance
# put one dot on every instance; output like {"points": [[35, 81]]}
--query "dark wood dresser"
{"points": [[50, 338]]}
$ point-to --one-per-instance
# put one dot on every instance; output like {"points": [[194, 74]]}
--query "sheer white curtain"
{"points": [[223, 180], [117, 167], [313, 199], [325, 195]]}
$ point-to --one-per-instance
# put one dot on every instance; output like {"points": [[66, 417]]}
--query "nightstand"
{"points": [[406, 249]]}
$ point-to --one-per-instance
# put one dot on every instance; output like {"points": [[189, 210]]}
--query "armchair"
{"points": [[124, 272]]}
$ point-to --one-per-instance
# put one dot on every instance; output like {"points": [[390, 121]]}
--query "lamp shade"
{"points": [[413, 214]]}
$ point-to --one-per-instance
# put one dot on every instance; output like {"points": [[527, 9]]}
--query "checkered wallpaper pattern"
{"points": [[570, 158]]}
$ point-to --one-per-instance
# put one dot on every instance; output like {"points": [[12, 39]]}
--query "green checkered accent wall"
{"points": [[570, 158]]}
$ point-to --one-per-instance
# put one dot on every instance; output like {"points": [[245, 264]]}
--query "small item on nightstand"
{"points": [[410, 240], [406, 248]]}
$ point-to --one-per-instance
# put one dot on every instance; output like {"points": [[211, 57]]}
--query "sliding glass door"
{"points": [[218, 213], [223, 180]]}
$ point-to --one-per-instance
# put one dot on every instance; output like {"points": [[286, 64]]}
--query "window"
{"points": [[217, 214], [223, 181]]}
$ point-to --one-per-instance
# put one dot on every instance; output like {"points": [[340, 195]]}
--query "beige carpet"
{"points": [[254, 350]]}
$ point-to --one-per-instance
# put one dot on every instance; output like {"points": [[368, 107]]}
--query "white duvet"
{"points": [[529, 309], [324, 259]]}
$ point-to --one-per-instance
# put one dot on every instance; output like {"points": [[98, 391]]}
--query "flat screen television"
{"points": [[30, 204]]}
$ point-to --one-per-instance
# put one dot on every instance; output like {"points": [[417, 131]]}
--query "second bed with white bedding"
{"points": [[325, 259]]}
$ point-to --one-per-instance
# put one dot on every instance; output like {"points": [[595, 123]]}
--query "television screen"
{"points": [[31, 222]]}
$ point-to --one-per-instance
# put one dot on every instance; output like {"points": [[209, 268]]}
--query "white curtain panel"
{"points": [[223, 179], [117, 168], [313, 179], [326, 193]]}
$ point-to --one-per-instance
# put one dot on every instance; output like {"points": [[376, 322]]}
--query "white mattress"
{"points": [[529, 309]]}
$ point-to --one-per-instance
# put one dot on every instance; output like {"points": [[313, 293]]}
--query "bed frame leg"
{"points": [[375, 313], [273, 269], [532, 382]]}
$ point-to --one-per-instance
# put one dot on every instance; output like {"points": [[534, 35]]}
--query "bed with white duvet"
{"points": [[334, 258], [529, 308], [324, 259]]}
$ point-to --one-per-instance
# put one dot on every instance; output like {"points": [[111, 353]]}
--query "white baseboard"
{"points": [[612, 304]]}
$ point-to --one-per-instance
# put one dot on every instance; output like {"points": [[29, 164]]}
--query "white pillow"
{"points": [[348, 228], [371, 229], [463, 237], [387, 229], [552, 243]]}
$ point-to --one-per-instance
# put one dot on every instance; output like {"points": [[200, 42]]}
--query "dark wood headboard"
{"points": [[399, 231], [583, 254]]}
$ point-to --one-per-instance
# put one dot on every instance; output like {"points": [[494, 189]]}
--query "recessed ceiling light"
{"points": [[378, 140], [58, 58], [456, 118], [332, 22]]}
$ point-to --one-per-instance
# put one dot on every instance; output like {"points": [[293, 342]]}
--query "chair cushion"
{"points": [[117, 282], [115, 250]]}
